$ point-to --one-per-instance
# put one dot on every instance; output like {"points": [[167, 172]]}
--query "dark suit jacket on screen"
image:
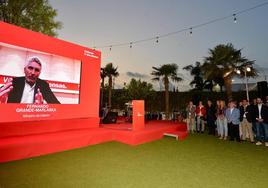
{"points": [[18, 86]]}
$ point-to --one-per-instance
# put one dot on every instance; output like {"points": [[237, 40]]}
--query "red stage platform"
{"points": [[153, 130], [20, 147]]}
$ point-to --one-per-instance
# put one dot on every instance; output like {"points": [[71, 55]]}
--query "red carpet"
{"points": [[153, 130], [20, 147], [118, 126]]}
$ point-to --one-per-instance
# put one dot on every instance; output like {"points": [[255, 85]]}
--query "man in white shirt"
{"points": [[28, 89]]}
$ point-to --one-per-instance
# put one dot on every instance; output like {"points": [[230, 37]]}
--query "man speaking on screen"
{"points": [[28, 89]]}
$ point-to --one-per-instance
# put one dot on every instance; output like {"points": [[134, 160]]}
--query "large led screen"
{"points": [[45, 78], [32, 77]]}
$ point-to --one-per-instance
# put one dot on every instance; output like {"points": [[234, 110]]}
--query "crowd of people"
{"points": [[240, 121]]}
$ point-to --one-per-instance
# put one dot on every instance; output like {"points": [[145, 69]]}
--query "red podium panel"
{"points": [[138, 115]]}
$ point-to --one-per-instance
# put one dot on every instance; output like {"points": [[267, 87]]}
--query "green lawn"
{"points": [[198, 161]]}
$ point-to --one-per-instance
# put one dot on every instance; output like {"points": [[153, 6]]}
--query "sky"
{"points": [[104, 22]]}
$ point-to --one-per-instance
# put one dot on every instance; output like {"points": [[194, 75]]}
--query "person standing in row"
{"points": [[218, 104], [261, 115], [210, 117], [233, 119], [200, 117], [222, 121], [190, 113], [246, 116]]}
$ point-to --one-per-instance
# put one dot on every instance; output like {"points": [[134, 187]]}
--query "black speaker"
{"points": [[262, 89], [111, 117]]}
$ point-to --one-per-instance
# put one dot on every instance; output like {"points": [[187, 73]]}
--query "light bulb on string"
{"points": [[110, 48], [235, 19], [189, 29]]}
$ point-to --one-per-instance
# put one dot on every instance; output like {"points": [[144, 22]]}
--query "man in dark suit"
{"points": [[261, 116], [28, 89], [211, 117], [246, 116]]}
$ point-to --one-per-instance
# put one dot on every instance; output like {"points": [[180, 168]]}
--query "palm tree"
{"points": [[220, 81], [166, 72], [208, 84], [111, 72], [222, 62], [103, 76], [196, 72]]}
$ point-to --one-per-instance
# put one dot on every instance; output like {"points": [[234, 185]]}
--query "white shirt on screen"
{"points": [[28, 94]]}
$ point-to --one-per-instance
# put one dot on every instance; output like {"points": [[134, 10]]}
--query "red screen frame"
{"points": [[90, 75]]}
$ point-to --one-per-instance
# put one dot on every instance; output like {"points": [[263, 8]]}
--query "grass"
{"points": [[199, 161]]}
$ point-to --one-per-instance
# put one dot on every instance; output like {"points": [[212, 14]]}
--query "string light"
{"points": [[235, 20], [111, 48], [234, 16]]}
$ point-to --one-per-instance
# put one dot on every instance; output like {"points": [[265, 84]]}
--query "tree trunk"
{"points": [[110, 91], [102, 88], [102, 83], [166, 82], [228, 87]]}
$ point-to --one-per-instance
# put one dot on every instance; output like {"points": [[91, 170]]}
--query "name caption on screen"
{"points": [[36, 108]]}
